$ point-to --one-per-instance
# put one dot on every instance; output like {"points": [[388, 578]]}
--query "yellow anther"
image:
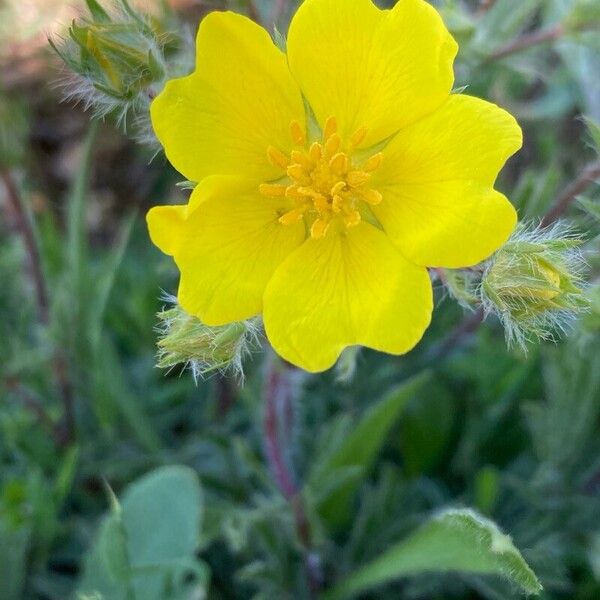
{"points": [[339, 163], [357, 178], [272, 189], [310, 192], [337, 188], [338, 204], [352, 219], [291, 217], [374, 162], [322, 205], [300, 157], [358, 137], [333, 144], [372, 197], [331, 127], [316, 151], [293, 191], [277, 158], [319, 228], [298, 133], [297, 172], [324, 184]]}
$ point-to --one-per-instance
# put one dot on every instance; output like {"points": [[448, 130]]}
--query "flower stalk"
{"points": [[279, 395]]}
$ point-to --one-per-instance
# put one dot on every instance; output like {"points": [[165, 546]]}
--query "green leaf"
{"points": [[361, 447], [97, 12], [161, 515], [426, 428], [106, 281], [146, 551], [454, 540], [591, 207], [594, 133], [14, 543]]}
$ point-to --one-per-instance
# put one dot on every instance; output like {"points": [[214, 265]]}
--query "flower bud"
{"points": [[534, 283], [119, 59], [185, 340]]}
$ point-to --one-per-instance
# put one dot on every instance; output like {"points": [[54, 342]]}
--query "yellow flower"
{"points": [[325, 218]]}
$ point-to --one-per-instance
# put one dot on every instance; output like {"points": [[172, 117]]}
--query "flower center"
{"points": [[322, 179]]}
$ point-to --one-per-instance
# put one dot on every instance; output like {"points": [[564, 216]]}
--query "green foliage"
{"points": [[145, 548], [358, 450], [454, 540], [373, 450]]}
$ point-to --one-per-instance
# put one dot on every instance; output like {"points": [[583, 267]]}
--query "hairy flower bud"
{"points": [[119, 60], [185, 340], [534, 283]]}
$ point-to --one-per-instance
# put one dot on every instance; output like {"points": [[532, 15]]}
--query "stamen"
{"points": [[323, 183], [310, 192], [372, 197], [297, 172], [339, 163], [319, 228], [331, 127], [321, 204], [291, 217], [352, 219], [302, 159], [337, 188], [316, 151], [358, 137], [333, 144], [272, 189], [374, 162], [277, 158], [293, 191], [357, 178], [298, 134], [338, 204]]}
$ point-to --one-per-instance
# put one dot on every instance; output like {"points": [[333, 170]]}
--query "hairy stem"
{"points": [[253, 11], [536, 38], [279, 396], [588, 175], [455, 339], [25, 230], [527, 41]]}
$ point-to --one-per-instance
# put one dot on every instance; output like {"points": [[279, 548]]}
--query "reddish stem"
{"points": [[589, 175], [23, 226], [279, 397]]}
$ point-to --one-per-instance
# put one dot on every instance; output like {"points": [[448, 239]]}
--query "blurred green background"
{"points": [[86, 417]]}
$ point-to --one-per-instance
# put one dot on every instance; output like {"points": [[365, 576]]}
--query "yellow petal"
{"points": [[164, 225], [348, 288], [449, 224], [227, 248], [223, 117], [438, 204], [466, 138], [382, 69]]}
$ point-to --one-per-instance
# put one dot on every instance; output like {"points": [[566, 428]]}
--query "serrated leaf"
{"points": [[362, 446], [454, 540]]}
